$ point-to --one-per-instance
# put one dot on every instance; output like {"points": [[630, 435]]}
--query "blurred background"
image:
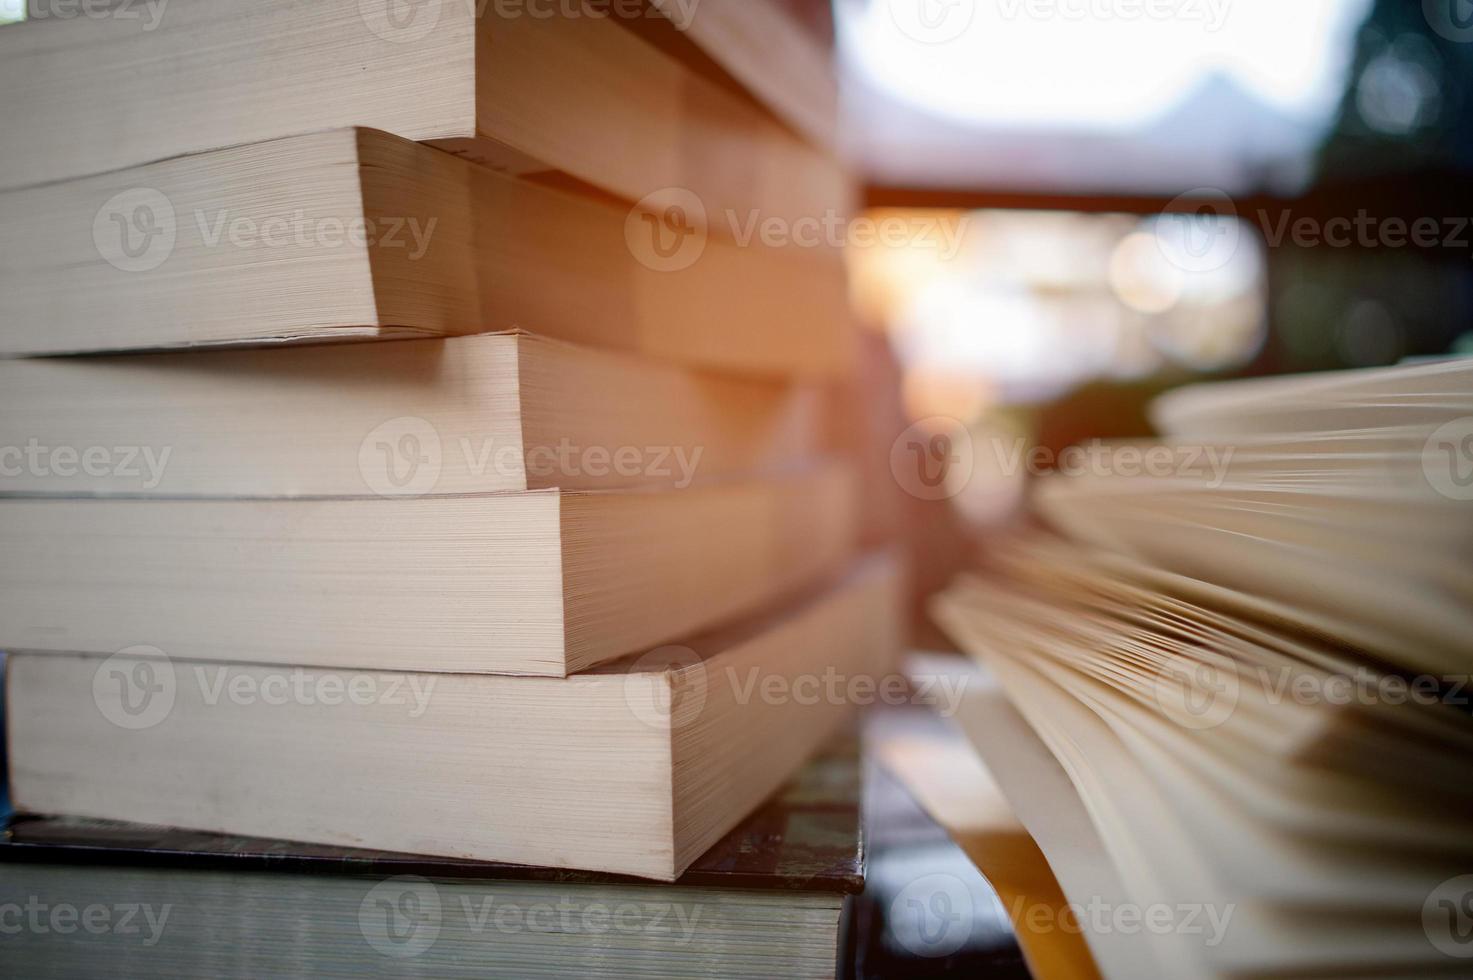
{"points": [[1093, 200]]}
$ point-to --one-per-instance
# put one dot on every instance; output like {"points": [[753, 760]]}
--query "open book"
{"points": [[1257, 682]]}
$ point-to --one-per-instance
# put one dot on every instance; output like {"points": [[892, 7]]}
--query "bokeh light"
{"points": [[1034, 304]]}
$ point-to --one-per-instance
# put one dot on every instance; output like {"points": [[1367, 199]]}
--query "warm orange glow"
{"points": [[936, 394], [1022, 306]]}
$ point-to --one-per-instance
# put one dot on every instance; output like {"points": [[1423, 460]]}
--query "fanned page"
{"points": [[1157, 859], [1429, 393], [1350, 526], [1255, 674], [1048, 805], [1184, 848]]}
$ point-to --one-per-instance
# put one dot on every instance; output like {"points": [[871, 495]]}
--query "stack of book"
{"points": [[538, 582], [769, 898], [1248, 650]]}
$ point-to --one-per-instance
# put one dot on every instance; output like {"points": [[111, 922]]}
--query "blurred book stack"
{"points": [[1248, 650], [529, 580]]}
